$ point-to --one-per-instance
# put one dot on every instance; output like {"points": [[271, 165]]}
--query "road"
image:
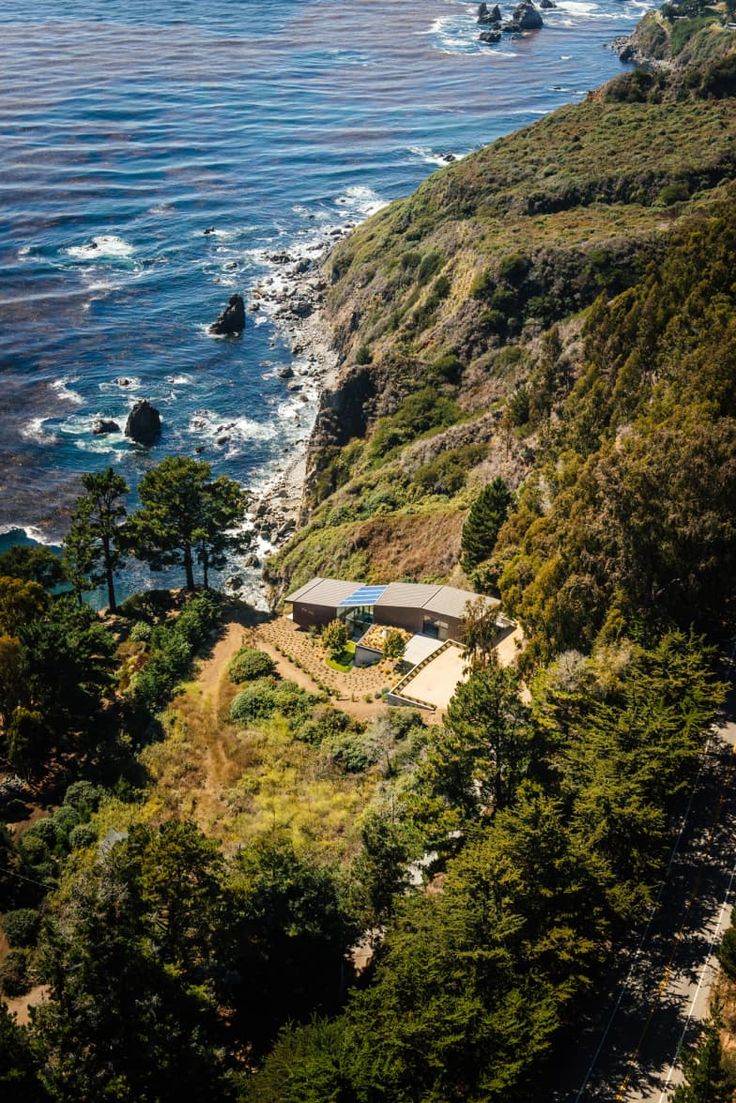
{"points": [[632, 1056]]}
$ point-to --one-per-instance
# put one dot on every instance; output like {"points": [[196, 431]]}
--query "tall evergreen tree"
{"points": [[480, 531], [186, 515], [96, 529]]}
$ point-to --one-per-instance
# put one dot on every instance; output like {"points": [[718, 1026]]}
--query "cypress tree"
{"points": [[480, 531]]}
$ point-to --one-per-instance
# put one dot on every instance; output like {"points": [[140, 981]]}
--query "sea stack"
{"points": [[144, 423], [231, 322]]}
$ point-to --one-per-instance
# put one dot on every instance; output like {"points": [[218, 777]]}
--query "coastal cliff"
{"points": [[473, 322]]}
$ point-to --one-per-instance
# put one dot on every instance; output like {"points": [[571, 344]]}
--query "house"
{"points": [[423, 610]]}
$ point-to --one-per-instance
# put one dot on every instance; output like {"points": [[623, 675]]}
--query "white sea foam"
{"points": [[430, 157], [104, 245], [229, 433], [115, 386], [34, 430], [64, 390], [179, 380], [32, 533], [361, 200]]}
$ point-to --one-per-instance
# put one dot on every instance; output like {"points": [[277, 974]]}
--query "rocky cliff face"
{"points": [[458, 313]]}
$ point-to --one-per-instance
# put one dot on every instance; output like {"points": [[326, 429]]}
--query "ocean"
{"points": [[155, 152]]}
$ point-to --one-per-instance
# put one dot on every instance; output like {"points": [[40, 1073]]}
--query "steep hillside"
{"points": [[465, 320]]}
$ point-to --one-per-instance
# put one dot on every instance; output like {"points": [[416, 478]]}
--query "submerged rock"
{"points": [[231, 322], [490, 37], [144, 423], [103, 425]]}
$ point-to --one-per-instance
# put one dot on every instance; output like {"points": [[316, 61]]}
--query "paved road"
{"points": [[632, 1057]]}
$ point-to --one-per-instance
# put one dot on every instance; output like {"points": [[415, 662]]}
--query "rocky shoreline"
{"points": [[291, 296]]}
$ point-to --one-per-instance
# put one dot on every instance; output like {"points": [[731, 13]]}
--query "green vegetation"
{"points": [[93, 549], [186, 515], [707, 1077], [249, 664], [335, 637], [283, 902], [480, 531]]}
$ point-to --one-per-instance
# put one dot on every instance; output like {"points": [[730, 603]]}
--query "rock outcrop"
{"points": [[104, 425], [489, 15], [231, 322], [489, 37], [525, 18], [144, 423]]}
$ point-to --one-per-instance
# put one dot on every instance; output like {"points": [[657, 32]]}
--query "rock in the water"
{"points": [[490, 37], [526, 17], [209, 230], [285, 373], [231, 322], [104, 425], [144, 423], [489, 15], [547, 4]]}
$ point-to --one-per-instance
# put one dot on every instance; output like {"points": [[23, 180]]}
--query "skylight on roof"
{"points": [[365, 595]]}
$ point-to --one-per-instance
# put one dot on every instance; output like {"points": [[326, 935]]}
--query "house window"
{"points": [[437, 629]]}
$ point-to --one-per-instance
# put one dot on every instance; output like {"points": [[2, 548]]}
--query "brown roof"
{"points": [[324, 591]]}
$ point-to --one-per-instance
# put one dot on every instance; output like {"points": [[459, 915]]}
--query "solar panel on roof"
{"points": [[365, 595]]}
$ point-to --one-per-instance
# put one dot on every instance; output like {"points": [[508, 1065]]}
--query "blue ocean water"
{"points": [[129, 127]]}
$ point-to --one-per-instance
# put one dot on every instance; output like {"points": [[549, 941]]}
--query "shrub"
{"points": [[353, 751], [676, 192], [363, 355], [257, 702], [141, 632], [249, 664], [263, 698], [335, 637], [448, 368], [513, 268], [394, 644], [21, 927], [81, 836], [429, 264], [326, 722], [84, 797], [727, 953], [15, 972]]}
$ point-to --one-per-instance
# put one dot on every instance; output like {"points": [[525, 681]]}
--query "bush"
{"points": [[249, 664], [265, 697], [363, 355], [257, 702], [727, 953], [21, 927], [15, 973], [394, 644], [335, 637], [81, 836], [353, 751], [326, 723], [84, 797], [141, 632]]}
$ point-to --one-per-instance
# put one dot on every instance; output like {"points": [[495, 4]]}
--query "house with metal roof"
{"points": [[435, 611]]}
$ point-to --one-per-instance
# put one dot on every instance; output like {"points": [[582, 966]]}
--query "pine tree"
{"points": [[480, 531], [186, 515], [94, 539]]}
